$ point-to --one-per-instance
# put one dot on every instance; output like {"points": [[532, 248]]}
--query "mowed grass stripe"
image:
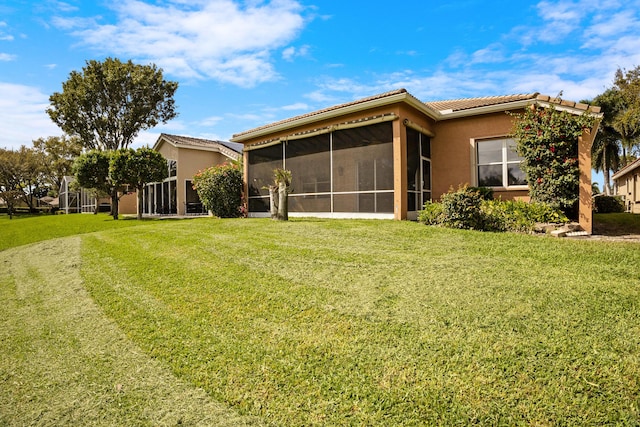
{"points": [[62, 362], [317, 322]]}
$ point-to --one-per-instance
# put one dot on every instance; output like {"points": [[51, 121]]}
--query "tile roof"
{"points": [[468, 103], [231, 149], [435, 107], [324, 110]]}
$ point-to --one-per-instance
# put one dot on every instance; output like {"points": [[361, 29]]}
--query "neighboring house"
{"points": [[185, 156], [627, 185], [70, 201], [386, 155]]}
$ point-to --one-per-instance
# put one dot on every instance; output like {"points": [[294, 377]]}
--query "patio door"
{"points": [[426, 180]]}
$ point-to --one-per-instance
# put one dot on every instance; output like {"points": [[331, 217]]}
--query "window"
{"points": [[172, 165], [499, 163]]}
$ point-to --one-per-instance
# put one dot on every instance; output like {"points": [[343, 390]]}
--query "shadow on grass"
{"points": [[616, 224]]}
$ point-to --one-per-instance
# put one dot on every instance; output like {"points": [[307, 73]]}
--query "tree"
{"points": [[605, 152], [547, 139], [137, 168], [57, 154], [91, 170], [109, 103], [21, 172], [626, 121]]}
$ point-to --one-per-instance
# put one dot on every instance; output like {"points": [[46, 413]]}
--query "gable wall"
{"points": [[628, 186]]}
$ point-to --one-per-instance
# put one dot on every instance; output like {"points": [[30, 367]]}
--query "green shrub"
{"points": [[431, 214], [608, 204], [465, 208], [518, 216], [461, 209], [485, 192], [220, 189]]}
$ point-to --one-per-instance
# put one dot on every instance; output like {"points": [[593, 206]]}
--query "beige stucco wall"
{"points": [[453, 154], [189, 162], [628, 186], [128, 204]]}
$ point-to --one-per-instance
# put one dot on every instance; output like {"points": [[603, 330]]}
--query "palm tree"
{"points": [[605, 156], [605, 152]]}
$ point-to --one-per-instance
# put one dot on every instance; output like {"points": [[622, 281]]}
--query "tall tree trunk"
{"points": [[273, 201], [283, 201], [114, 203], [140, 201], [605, 170]]}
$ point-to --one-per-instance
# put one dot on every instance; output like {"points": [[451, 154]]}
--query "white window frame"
{"points": [[505, 171]]}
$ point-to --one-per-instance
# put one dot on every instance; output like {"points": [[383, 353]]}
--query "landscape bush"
{"points": [[461, 209], [608, 204], [466, 208], [431, 214], [220, 189]]}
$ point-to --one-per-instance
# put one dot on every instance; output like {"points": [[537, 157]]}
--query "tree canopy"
{"points": [[21, 172], [626, 120], [109, 103], [91, 171], [57, 154], [137, 168]]}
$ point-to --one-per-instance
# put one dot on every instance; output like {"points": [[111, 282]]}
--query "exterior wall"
{"points": [[191, 162], [628, 186], [128, 204], [453, 153]]}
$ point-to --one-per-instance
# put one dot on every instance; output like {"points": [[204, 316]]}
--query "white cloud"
{"points": [[210, 121], [7, 57], [296, 106], [23, 116], [290, 53], [220, 39]]}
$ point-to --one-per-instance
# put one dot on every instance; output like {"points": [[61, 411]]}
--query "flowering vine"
{"points": [[547, 139]]}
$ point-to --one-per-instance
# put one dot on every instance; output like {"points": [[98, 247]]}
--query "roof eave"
{"points": [[331, 114], [625, 170]]}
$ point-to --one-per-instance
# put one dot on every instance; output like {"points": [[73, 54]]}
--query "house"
{"points": [[627, 184], [385, 155], [185, 157], [71, 200]]}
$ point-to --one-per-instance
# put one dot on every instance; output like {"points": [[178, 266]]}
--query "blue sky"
{"points": [[242, 64]]}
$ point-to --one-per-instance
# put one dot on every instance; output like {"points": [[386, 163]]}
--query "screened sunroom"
{"points": [[345, 171]]}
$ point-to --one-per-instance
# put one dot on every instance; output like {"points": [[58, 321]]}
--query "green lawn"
{"points": [[24, 229], [318, 322]]}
